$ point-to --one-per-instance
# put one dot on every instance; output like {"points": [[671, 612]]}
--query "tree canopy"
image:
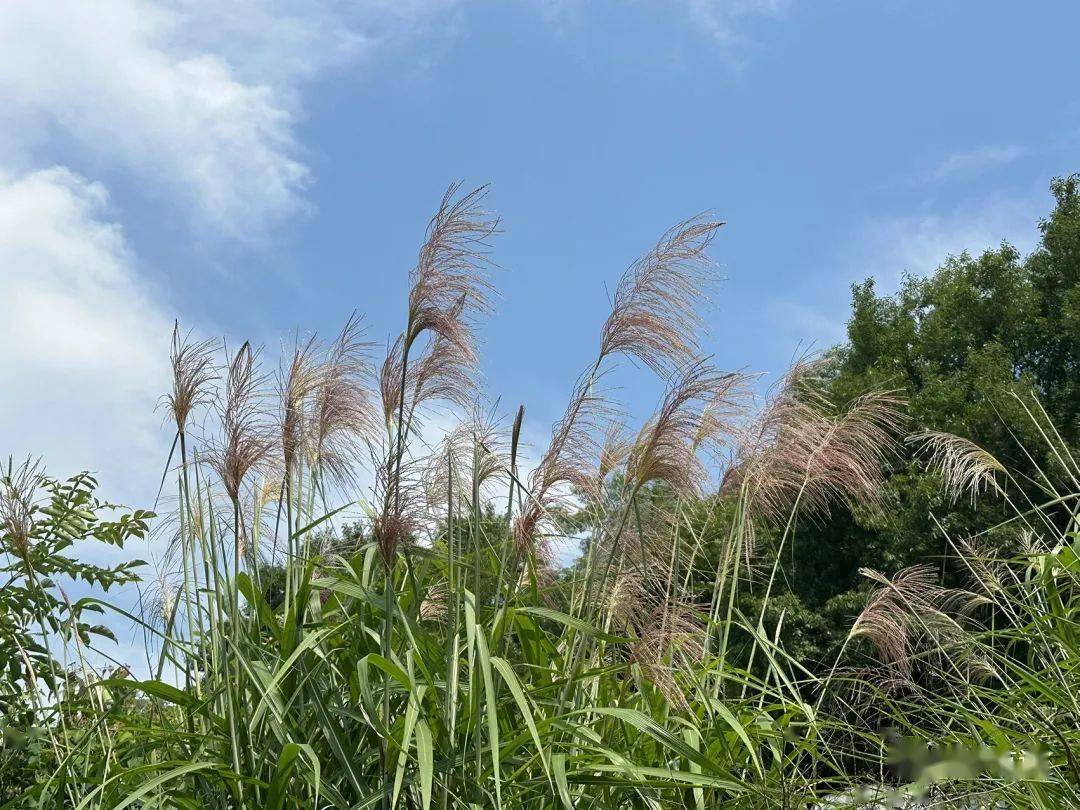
{"points": [[968, 346]]}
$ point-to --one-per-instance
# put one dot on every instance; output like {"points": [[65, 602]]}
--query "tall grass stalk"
{"points": [[436, 654]]}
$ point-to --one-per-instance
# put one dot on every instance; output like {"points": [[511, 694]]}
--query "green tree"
{"points": [[41, 692], [967, 346]]}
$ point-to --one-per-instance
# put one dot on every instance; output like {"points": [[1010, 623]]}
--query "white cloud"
{"points": [[722, 19], [271, 41], [194, 100], [887, 247], [111, 80], [199, 101], [976, 161], [83, 343], [920, 243], [283, 43]]}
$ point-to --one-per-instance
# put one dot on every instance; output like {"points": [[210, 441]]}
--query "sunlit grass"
{"points": [[433, 654]]}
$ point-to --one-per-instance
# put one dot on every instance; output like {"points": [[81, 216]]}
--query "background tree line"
{"points": [[958, 344]]}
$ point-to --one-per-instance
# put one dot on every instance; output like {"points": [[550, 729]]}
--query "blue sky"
{"points": [[270, 166]]}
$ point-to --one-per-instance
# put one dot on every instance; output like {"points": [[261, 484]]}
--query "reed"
{"points": [[440, 656]]}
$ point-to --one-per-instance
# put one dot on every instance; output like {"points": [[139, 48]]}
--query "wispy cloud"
{"points": [[723, 20], [919, 243], [807, 325], [887, 247], [196, 102], [199, 102], [976, 161], [120, 88], [723, 23]]}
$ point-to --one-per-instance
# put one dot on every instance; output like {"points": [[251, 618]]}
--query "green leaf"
{"points": [[154, 688], [558, 767], [573, 621], [507, 672], [285, 766], [425, 757]]}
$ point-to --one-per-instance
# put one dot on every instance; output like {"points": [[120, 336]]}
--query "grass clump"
{"points": [[433, 654]]}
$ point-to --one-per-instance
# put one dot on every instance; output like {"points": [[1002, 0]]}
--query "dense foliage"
{"points": [[958, 343]]}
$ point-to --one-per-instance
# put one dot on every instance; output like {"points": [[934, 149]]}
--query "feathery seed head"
{"points": [[296, 384], [193, 374], [342, 414], [910, 607], [17, 488], [806, 452], [436, 604], [450, 268], [246, 441], [569, 462], [963, 465], [654, 316], [666, 447]]}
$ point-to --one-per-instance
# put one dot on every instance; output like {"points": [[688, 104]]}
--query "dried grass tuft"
{"points": [[296, 384], [342, 416], [246, 441], [912, 608], [668, 632], [17, 488], [193, 376], [654, 314], [964, 466], [448, 282], [805, 452], [436, 604], [666, 449], [567, 465]]}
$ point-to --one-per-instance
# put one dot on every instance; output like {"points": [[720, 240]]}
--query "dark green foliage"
{"points": [[966, 345]]}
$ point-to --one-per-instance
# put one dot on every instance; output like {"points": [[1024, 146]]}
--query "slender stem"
{"points": [[452, 636]]}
